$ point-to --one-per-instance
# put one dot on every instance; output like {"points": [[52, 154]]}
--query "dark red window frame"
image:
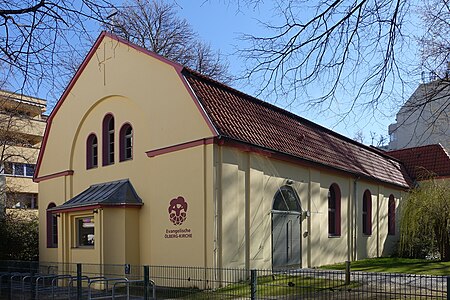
{"points": [[334, 210], [91, 151], [52, 227], [367, 213], [391, 215], [126, 142], [108, 140]]}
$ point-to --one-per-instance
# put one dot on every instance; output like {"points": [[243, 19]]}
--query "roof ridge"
{"points": [[416, 147], [111, 182]]}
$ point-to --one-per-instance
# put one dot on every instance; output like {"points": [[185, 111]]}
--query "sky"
{"points": [[222, 23]]}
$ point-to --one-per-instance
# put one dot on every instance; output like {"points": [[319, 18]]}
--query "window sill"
{"points": [[18, 176], [334, 236]]}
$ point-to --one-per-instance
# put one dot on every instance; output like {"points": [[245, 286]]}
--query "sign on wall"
{"points": [[177, 211]]}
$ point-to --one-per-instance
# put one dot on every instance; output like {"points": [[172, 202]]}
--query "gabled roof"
{"points": [[425, 161], [114, 193], [233, 115], [243, 118]]}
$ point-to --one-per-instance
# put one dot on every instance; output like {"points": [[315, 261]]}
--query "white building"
{"points": [[424, 119]]}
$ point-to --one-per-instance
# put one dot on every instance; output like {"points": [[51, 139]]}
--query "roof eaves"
{"points": [[408, 180]]}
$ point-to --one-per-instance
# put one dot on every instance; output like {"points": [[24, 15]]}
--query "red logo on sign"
{"points": [[177, 210]]}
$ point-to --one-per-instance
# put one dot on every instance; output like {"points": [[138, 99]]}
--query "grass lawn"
{"points": [[397, 265]]}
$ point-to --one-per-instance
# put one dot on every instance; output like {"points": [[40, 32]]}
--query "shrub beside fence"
{"points": [[37, 280]]}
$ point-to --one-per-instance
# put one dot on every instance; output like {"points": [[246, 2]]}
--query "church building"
{"points": [[145, 161]]}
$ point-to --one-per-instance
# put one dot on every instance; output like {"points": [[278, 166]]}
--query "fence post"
{"points": [[347, 272], [146, 281], [32, 274], [448, 287], [79, 283], [253, 283]]}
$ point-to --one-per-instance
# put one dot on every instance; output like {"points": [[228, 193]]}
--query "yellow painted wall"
{"points": [[134, 87], [248, 183], [154, 100], [52, 191]]}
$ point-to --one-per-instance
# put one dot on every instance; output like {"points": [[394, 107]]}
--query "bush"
{"points": [[425, 221], [19, 235]]}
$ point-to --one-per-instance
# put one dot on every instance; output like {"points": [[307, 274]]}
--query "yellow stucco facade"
{"points": [[229, 192]]}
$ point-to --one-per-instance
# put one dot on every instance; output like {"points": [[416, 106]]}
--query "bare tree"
{"points": [[35, 34], [435, 43], [322, 51], [154, 25]]}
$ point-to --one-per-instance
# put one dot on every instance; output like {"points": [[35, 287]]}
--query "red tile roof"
{"points": [[241, 117], [423, 162]]}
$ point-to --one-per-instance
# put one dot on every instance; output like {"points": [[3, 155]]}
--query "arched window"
{"points": [[108, 140], [334, 210], [391, 215], [126, 142], [91, 151], [52, 227], [286, 199], [367, 213]]}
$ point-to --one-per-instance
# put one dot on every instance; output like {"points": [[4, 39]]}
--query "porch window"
{"points": [[126, 142], [108, 140], [91, 152], [367, 213], [334, 210], [391, 215], [52, 227], [85, 231]]}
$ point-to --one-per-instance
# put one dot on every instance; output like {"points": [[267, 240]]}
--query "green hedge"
{"points": [[19, 236]]}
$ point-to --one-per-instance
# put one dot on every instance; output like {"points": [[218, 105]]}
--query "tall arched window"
{"points": [[334, 210], [286, 199], [52, 227], [391, 215], [108, 140], [126, 142], [91, 151], [367, 213]]}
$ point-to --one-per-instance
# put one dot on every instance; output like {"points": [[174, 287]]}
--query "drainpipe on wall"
{"points": [[355, 218], [378, 222], [217, 204], [247, 211], [308, 223]]}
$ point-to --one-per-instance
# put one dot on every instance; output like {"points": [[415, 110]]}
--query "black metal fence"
{"points": [[34, 280]]}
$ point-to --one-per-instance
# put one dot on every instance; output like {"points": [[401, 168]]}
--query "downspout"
{"points": [[378, 222], [355, 218], [247, 211], [217, 261]]}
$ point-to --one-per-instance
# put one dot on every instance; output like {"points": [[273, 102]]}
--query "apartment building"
{"points": [[424, 119], [22, 125]]}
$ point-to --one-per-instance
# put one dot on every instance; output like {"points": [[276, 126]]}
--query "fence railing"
{"points": [[38, 280]]}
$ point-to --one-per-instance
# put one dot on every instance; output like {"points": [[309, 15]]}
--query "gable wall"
{"points": [[149, 94]]}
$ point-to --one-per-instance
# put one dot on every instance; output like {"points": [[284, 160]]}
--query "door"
{"points": [[286, 242]]}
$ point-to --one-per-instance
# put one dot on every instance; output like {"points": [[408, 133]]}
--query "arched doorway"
{"points": [[286, 229]]}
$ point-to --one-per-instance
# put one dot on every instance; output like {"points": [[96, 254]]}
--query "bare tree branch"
{"points": [[35, 34], [155, 26]]}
